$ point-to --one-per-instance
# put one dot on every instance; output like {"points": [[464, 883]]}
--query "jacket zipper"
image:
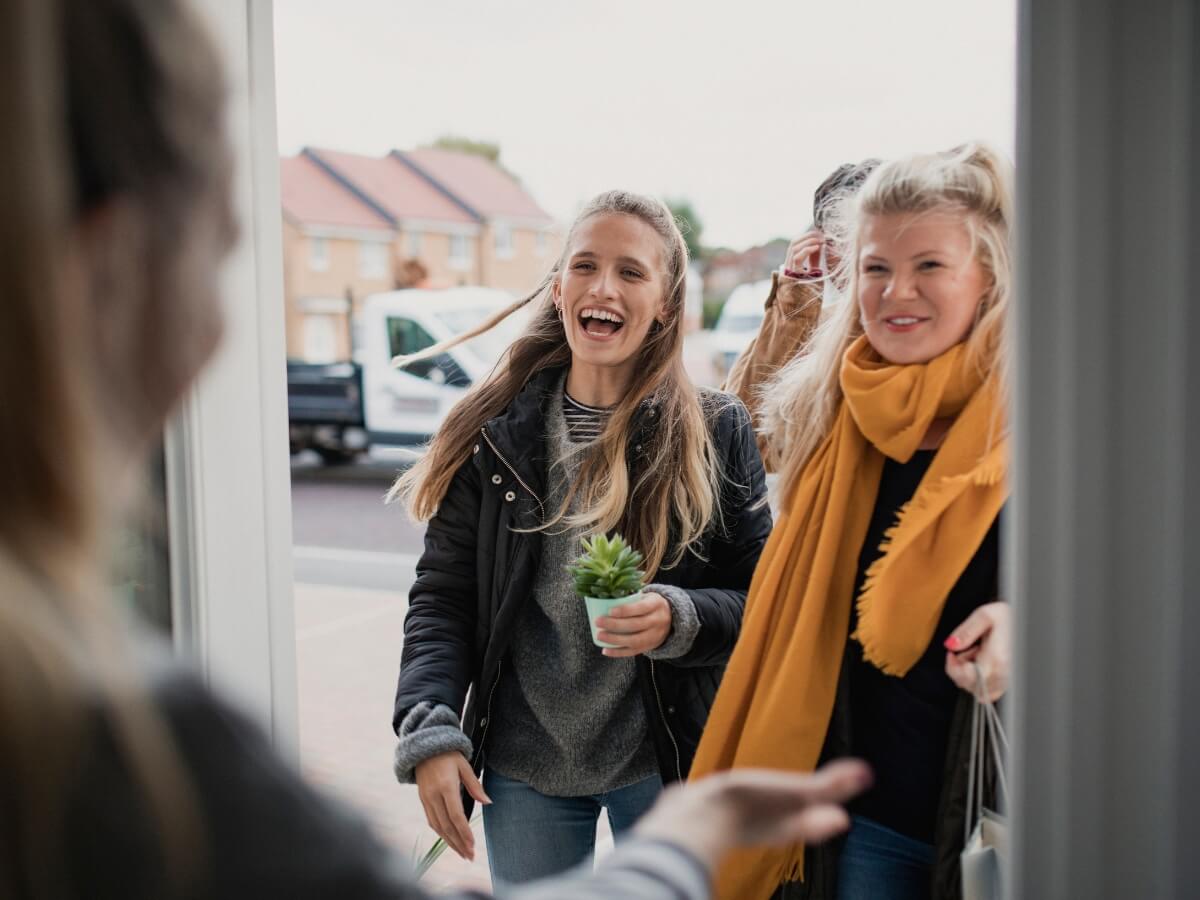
{"points": [[507, 465], [487, 713], [666, 724], [487, 721]]}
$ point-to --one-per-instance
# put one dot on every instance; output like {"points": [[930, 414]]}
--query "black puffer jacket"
{"points": [[478, 570]]}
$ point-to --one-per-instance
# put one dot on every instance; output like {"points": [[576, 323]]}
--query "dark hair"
{"points": [[144, 96], [109, 103], [846, 179]]}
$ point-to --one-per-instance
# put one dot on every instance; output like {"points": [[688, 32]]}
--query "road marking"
{"points": [[342, 555]]}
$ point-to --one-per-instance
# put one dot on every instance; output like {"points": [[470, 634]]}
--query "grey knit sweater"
{"points": [[565, 719]]}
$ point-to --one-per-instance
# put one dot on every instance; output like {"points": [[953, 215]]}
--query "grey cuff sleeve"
{"points": [[685, 622], [645, 868], [429, 729]]}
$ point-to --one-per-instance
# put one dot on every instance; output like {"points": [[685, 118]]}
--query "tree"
{"points": [[486, 149], [690, 225]]}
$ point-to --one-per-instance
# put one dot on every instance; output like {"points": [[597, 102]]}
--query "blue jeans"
{"points": [[880, 864], [530, 835]]}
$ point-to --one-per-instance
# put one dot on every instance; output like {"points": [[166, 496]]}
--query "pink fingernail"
{"points": [[951, 643]]}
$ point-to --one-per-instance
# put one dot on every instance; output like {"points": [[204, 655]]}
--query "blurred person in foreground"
{"points": [[123, 776], [878, 590], [802, 290]]}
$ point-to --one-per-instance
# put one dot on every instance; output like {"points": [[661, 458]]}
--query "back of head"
{"points": [[115, 114], [841, 184], [114, 152], [46, 474], [972, 181]]}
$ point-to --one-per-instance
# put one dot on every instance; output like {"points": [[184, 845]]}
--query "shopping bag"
{"points": [[985, 852]]}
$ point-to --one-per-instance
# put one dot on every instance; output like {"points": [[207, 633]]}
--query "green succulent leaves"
{"points": [[608, 568]]}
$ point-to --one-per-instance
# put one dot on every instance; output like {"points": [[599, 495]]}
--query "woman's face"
{"points": [[611, 290], [919, 284], [159, 309]]}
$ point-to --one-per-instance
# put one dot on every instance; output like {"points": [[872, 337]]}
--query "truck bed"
{"points": [[325, 394]]}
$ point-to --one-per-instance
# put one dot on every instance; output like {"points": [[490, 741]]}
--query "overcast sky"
{"points": [[742, 109]]}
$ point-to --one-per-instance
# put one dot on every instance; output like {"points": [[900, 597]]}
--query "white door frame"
{"points": [[228, 473]]}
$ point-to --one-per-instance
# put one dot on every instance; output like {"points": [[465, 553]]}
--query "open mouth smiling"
{"points": [[600, 323]]}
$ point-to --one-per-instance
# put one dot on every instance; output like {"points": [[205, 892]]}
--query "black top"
{"points": [[901, 725]]}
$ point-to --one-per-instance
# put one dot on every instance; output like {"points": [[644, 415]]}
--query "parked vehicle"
{"points": [[340, 410], [740, 319]]}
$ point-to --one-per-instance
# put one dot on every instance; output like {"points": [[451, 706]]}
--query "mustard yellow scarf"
{"points": [[775, 702]]}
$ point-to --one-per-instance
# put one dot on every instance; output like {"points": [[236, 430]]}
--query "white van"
{"points": [[740, 319], [405, 406], [340, 410]]}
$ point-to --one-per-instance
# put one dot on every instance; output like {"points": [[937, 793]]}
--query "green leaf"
{"points": [[432, 855], [607, 569]]}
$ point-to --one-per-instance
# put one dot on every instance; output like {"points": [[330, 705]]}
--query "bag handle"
{"points": [[986, 730]]}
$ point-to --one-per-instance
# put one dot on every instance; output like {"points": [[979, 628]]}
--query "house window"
{"points": [[318, 254], [503, 240], [372, 259], [414, 244], [460, 252], [540, 244]]}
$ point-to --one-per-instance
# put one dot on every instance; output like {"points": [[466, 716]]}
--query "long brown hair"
{"points": [[666, 508], [105, 101]]}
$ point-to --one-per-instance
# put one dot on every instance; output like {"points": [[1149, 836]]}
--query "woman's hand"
{"points": [[804, 253], [636, 627], [438, 785], [984, 638], [755, 807]]}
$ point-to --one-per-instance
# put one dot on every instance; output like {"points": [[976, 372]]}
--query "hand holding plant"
{"points": [[625, 621]]}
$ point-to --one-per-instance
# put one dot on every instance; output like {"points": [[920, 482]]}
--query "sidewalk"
{"points": [[348, 644], [347, 656]]}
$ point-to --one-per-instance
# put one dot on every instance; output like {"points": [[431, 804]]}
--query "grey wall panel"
{"points": [[1105, 412]]}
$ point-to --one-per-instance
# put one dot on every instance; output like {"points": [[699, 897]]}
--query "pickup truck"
{"points": [[342, 409]]}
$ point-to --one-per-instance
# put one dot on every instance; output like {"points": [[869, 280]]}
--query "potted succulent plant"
{"points": [[606, 576]]}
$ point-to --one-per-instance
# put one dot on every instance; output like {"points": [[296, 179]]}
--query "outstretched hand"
{"points": [[756, 807]]}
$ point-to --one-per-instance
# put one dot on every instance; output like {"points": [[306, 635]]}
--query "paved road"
{"points": [[343, 531]]}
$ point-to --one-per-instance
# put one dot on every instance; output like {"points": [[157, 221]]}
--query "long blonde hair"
{"points": [[103, 101], [973, 180], [666, 508]]}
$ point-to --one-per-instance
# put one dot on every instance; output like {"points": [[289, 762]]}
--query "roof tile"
{"points": [[480, 183], [312, 197]]}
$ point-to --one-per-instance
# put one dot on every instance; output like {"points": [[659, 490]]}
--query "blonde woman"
{"points": [[878, 589], [589, 424], [124, 777]]}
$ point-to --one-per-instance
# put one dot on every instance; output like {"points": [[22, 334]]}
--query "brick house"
{"points": [[352, 222]]}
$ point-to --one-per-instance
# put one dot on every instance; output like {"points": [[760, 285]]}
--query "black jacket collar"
{"points": [[518, 433]]}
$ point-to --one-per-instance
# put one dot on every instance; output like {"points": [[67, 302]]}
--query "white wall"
{"points": [[1107, 534]]}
